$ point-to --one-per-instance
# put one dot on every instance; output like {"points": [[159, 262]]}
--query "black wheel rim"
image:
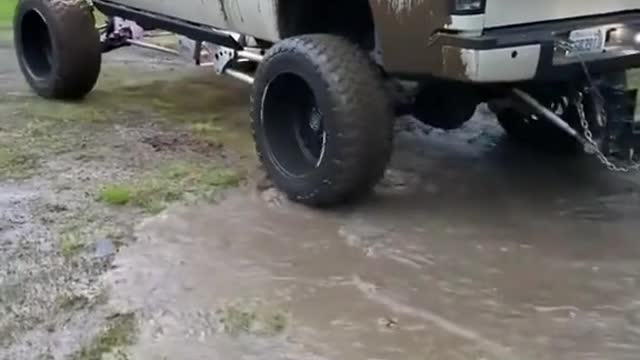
{"points": [[294, 125], [310, 134], [36, 45]]}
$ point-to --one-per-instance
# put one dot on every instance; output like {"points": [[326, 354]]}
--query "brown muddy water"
{"points": [[472, 248]]}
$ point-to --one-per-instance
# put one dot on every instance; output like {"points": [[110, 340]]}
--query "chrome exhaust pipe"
{"points": [[239, 75]]}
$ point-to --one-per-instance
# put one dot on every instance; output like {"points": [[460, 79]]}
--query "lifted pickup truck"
{"points": [[329, 76]]}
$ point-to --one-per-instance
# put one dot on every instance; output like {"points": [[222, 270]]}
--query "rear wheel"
{"points": [[533, 130], [58, 47], [322, 121]]}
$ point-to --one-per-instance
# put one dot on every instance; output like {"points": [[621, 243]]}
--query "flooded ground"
{"points": [[135, 226]]}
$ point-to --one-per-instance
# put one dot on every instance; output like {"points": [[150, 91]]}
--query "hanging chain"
{"points": [[601, 112], [588, 135]]}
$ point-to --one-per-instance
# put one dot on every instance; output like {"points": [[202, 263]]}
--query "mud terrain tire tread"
{"points": [[360, 147], [76, 49]]}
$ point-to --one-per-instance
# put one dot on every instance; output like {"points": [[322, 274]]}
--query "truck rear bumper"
{"points": [[537, 52]]}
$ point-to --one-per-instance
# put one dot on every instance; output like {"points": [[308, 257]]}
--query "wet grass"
{"points": [[211, 107], [7, 8], [38, 128], [6, 36], [25, 147], [49, 137], [16, 162], [78, 232], [71, 244], [181, 181], [251, 319], [67, 302], [106, 128], [120, 332], [116, 194], [12, 322], [61, 112]]}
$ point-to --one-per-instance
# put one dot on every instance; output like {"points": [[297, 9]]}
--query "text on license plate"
{"points": [[587, 40]]}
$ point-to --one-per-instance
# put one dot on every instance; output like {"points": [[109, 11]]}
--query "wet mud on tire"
{"points": [[344, 138], [58, 47]]}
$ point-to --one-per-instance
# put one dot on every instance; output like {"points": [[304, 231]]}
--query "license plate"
{"points": [[587, 41]]}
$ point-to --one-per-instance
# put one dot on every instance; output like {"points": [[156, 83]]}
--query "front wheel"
{"points": [[322, 121]]}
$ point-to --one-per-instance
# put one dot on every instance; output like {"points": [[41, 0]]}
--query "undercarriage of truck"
{"points": [[599, 113], [566, 85]]}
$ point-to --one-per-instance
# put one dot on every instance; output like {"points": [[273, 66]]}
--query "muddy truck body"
{"points": [[330, 76]]}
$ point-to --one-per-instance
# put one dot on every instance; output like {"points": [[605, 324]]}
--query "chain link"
{"points": [[588, 135], [601, 112]]}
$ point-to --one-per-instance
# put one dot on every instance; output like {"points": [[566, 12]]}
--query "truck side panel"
{"points": [[404, 28], [207, 12], [251, 17]]}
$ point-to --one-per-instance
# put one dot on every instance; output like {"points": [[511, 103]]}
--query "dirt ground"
{"points": [[135, 225]]}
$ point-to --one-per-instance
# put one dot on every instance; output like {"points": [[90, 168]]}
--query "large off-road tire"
{"points": [[322, 120], [58, 47]]}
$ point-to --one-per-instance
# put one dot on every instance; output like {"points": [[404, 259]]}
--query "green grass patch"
{"points": [[49, 137], [68, 302], [116, 194], [6, 36], [7, 8], [17, 163], [92, 110], [239, 319], [119, 333], [71, 244], [213, 108], [175, 182], [26, 143]]}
